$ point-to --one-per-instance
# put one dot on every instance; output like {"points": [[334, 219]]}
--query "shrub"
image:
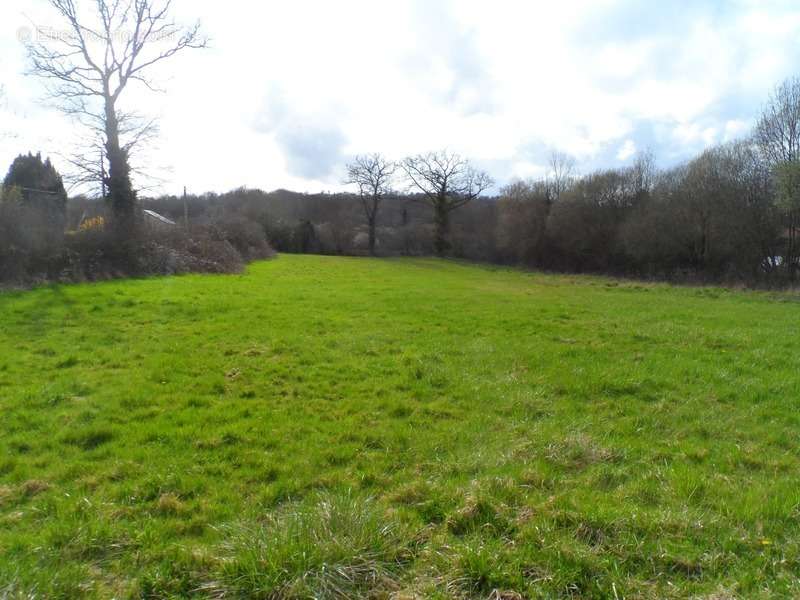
{"points": [[247, 237], [335, 239], [30, 243], [34, 249], [281, 236], [96, 255]]}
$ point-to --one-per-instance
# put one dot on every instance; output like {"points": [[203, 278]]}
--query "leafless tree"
{"points": [[447, 182], [643, 173], [778, 137], [112, 45], [758, 228], [372, 174], [562, 173], [522, 211], [778, 131], [88, 159]]}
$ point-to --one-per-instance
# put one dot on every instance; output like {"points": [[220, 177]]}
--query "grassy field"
{"points": [[352, 428]]}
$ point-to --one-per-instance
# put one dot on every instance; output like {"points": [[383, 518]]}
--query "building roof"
{"points": [[162, 219]]}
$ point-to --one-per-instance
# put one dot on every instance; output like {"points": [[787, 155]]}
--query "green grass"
{"points": [[351, 428]]}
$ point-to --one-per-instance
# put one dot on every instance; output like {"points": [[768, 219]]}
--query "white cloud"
{"points": [[290, 90], [735, 128], [627, 151]]}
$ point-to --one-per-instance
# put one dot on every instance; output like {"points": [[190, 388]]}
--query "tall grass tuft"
{"points": [[333, 546]]}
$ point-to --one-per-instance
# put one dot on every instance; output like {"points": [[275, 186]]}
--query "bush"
{"points": [[95, 255], [30, 243], [335, 239], [247, 237], [34, 250]]}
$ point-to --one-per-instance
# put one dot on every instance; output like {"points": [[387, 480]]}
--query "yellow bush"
{"points": [[93, 223]]}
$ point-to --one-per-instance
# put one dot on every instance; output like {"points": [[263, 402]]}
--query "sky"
{"points": [[288, 92]]}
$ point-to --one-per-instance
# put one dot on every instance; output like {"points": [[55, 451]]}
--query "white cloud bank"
{"points": [[290, 90]]}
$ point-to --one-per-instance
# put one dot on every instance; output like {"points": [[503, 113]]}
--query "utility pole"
{"points": [[185, 210]]}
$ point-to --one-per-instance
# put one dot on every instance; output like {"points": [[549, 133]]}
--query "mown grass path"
{"points": [[423, 427]]}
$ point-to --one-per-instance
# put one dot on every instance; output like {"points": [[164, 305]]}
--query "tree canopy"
{"points": [[38, 182]]}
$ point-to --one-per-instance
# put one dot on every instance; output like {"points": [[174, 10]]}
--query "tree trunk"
{"points": [[791, 249], [442, 220], [372, 236], [120, 188]]}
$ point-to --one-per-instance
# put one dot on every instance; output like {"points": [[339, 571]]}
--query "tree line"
{"points": [[731, 213]]}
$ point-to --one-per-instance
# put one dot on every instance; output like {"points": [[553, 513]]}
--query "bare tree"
{"points": [[778, 137], [643, 173], [372, 174], [522, 211], [788, 184], [757, 231], [447, 182], [561, 175], [88, 159], [778, 131], [110, 47]]}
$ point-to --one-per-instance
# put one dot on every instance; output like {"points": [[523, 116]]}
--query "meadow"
{"points": [[411, 428]]}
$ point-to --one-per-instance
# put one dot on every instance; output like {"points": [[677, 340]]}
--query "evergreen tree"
{"points": [[38, 182]]}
